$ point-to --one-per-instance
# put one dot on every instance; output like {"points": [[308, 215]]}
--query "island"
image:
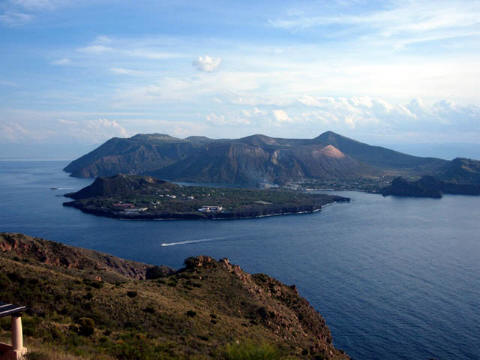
{"points": [[428, 186], [145, 197]]}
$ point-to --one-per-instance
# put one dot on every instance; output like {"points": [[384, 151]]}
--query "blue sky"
{"points": [[389, 72]]}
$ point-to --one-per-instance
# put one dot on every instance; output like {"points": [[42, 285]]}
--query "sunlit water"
{"points": [[394, 278]]}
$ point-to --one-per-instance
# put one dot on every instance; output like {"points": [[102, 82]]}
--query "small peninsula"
{"points": [[145, 197]]}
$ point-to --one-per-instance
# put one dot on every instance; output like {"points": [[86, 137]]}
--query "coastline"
{"points": [[201, 216]]}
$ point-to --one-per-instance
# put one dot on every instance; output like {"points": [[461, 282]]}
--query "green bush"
{"points": [[251, 351], [37, 355]]}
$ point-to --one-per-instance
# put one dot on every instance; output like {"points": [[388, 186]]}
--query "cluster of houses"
{"points": [[209, 209], [132, 209], [129, 208]]}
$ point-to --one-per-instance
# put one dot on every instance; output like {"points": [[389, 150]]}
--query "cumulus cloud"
{"points": [[281, 116], [207, 63], [104, 128]]}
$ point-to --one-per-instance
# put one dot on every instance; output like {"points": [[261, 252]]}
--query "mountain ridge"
{"points": [[257, 159]]}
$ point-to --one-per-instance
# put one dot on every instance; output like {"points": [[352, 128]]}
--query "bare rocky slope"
{"points": [[98, 306]]}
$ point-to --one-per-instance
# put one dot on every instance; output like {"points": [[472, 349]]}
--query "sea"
{"points": [[395, 278]]}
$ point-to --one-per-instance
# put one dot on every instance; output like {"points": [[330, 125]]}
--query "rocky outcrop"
{"points": [[428, 186], [69, 257]]}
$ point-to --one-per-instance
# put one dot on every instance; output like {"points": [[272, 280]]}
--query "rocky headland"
{"points": [[428, 186]]}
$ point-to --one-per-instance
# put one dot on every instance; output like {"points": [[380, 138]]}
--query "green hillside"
{"points": [[83, 304]]}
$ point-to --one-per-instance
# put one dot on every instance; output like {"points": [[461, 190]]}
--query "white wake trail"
{"points": [[195, 241]]}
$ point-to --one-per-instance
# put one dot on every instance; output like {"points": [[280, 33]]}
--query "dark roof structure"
{"points": [[10, 309]]}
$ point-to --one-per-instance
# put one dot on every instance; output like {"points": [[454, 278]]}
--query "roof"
{"points": [[10, 309]]}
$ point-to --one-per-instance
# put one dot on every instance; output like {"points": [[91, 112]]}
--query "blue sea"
{"points": [[395, 278]]}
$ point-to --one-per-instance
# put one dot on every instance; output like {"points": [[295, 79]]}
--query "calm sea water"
{"points": [[394, 278]]}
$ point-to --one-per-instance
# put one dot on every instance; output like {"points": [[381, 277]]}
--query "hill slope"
{"points": [[208, 309], [251, 160]]}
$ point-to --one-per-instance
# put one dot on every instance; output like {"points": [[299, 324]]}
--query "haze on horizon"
{"points": [[402, 73]]}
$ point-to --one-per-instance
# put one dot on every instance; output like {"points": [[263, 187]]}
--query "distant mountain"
{"points": [[258, 159], [461, 171], [378, 156]]}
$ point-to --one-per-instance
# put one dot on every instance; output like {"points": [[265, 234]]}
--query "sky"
{"points": [[402, 73]]}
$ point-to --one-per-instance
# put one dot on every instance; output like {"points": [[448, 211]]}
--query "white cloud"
{"points": [[281, 116], [20, 12], [123, 71], [401, 23], [104, 128], [39, 4], [95, 49], [67, 122], [13, 132], [207, 63], [14, 18], [62, 62], [230, 119]]}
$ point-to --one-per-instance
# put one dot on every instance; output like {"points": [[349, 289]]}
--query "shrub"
{"points": [[37, 355], [149, 310], [156, 272], [131, 294], [86, 326], [93, 283], [191, 313], [251, 351]]}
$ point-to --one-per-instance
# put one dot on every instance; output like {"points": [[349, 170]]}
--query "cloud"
{"points": [[95, 49], [405, 22], [67, 122], [14, 18], [231, 119], [8, 83], [13, 132], [281, 116], [39, 4], [20, 12], [62, 62], [104, 128], [123, 71], [207, 63]]}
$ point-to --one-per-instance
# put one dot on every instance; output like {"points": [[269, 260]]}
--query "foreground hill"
{"points": [[251, 160], [84, 303], [145, 197]]}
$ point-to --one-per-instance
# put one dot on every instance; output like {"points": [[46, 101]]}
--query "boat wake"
{"points": [[195, 241]]}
